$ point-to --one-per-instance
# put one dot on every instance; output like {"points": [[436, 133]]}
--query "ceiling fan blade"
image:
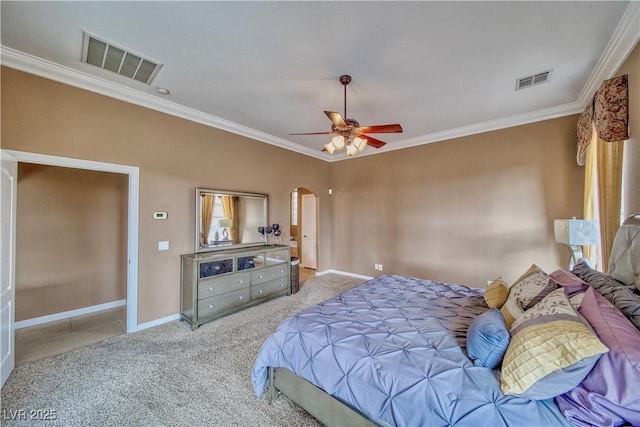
{"points": [[312, 133], [375, 143], [394, 128], [336, 119]]}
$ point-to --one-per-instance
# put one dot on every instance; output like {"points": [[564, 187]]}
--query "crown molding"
{"points": [[477, 128], [18, 60], [622, 42]]}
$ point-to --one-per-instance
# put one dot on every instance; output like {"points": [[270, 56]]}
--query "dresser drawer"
{"points": [[220, 285], [223, 302], [266, 289], [269, 273], [277, 257]]}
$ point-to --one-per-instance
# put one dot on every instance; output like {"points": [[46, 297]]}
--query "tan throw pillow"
{"points": [[526, 292], [496, 293], [551, 351]]}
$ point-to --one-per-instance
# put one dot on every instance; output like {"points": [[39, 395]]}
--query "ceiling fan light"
{"points": [[330, 148], [360, 143], [338, 142], [351, 150]]}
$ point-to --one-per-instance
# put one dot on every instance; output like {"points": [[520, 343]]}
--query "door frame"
{"points": [[132, 214], [302, 220]]}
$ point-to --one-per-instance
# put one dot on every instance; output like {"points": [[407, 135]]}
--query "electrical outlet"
{"points": [[380, 265]]}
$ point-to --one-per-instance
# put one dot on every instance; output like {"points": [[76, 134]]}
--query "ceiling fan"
{"points": [[348, 132]]}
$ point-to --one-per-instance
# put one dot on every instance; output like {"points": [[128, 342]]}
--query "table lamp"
{"points": [[576, 233]]}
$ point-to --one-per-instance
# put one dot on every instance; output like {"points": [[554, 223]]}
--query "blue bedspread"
{"points": [[393, 348]]}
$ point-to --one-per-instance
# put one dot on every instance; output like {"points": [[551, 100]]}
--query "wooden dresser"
{"points": [[221, 282]]}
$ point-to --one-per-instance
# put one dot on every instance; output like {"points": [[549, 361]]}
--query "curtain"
{"points": [[609, 194], [207, 217], [590, 206], [602, 129], [229, 208]]}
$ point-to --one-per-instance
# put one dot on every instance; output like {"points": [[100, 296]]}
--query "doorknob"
{"points": [[304, 235]]}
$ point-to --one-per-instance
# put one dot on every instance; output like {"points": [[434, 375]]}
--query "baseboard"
{"points": [[67, 314], [343, 273], [158, 322]]}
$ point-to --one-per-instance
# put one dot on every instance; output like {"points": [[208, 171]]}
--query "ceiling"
{"points": [[267, 69]]}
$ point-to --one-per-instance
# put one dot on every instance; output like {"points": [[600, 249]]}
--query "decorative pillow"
{"points": [[551, 350], [526, 292], [609, 393], [496, 293], [487, 339], [617, 293]]}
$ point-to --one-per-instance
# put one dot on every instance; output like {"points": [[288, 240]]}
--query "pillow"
{"points": [[617, 293], [487, 339], [526, 292], [551, 350], [571, 283], [496, 293], [609, 393]]}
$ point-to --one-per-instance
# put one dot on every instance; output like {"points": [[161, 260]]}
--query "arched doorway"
{"points": [[304, 231]]}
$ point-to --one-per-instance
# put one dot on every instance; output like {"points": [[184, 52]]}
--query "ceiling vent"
{"points": [[533, 80], [109, 56]]}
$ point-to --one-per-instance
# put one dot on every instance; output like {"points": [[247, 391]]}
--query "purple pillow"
{"points": [[610, 394], [571, 283]]}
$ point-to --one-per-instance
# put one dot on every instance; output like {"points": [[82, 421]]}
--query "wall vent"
{"points": [[533, 80], [107, 55]]}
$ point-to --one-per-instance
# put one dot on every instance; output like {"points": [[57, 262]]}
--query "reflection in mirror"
{"points": [[225, 218]]}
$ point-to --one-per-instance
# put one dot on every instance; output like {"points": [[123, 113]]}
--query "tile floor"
{"points": [[41, 341], [305, 273]]}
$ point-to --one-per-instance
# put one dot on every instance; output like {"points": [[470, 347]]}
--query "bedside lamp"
{"points": [[576, 233], [225, 224]]}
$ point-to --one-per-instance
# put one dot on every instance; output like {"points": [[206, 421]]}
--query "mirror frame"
{"points": [[198, 231]]}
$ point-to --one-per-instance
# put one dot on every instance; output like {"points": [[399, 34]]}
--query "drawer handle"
{"points": [[241, 296], [260, 291], [241, 281], [260, 276], [210, 288], [210, 305], [281, 271], [282, 285]]}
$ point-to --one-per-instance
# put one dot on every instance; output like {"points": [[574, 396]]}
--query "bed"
{"points": [[411, 352]]}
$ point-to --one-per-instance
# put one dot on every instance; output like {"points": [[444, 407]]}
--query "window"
{"points": [[294, 207]]}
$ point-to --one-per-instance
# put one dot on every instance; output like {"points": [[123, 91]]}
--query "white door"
{"points": [[8, 184], [308, 231]]}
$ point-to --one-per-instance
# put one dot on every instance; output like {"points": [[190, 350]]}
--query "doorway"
{"points": [[304, 231], [132, 235]]}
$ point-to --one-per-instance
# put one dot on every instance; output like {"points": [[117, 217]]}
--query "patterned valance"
{"points": [[585, 130], [611, 109], [609, 112]]}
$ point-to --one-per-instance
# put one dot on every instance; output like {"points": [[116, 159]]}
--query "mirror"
{"points": [[229, 219]]}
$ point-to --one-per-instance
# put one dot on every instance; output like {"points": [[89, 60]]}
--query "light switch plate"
{"points": [[163, 246], [160, 215]]}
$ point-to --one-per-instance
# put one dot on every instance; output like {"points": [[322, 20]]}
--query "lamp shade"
{"points": [[576, 232], [225, 223], [338, 142]]}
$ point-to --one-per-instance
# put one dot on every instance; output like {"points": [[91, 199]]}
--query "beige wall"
{"points": [[462, 211], [174, 156], [71, 239], [631, 171]]}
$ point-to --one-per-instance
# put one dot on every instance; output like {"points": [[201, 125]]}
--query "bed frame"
{"points": [[324, 407], [333, 412]]}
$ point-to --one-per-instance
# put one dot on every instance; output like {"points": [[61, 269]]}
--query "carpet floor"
{"points": [[167, 375]]}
